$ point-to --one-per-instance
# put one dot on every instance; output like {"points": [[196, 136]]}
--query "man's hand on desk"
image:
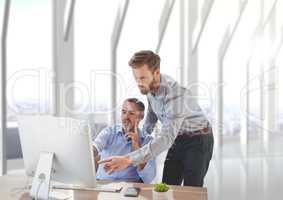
{"points": [[115, 163]]}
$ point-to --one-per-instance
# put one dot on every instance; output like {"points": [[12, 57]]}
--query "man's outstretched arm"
{"points": [[149, 151]]}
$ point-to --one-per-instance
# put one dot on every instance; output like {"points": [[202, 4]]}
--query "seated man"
{"points": [[122, 139]]}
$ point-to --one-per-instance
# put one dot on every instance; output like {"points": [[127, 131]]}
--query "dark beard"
{"points": [[151, 88], [144, 91]]}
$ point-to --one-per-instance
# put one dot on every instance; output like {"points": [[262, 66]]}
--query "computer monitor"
{"points": [[56, 147]]}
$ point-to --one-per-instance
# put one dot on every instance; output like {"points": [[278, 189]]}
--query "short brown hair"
{"points": [[145, 57]]}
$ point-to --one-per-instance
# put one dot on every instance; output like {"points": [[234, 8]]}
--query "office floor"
{"points": [[244, 172], [238, 173], [247, 173]]}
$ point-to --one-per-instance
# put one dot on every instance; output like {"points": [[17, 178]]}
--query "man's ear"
{"points": [[157, 71], [141, 115]]}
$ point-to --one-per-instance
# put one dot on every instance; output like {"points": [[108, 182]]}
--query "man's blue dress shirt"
{"points": [[112, 142]]}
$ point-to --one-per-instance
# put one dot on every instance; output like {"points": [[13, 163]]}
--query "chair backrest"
{"points": [[97, 122], [13, 146]]}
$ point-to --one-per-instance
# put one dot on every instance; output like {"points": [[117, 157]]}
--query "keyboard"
{"points": [[101, 188]]}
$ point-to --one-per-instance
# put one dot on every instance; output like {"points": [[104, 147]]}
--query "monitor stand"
{"points": [[41, 181]]}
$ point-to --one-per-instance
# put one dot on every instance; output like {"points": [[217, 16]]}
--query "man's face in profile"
{"points": [[130, 115], [145, 78]]}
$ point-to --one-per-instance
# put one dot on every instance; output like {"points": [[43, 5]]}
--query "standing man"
{"points": [[185, 130]]}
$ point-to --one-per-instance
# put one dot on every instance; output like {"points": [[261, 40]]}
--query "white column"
{"points": [[115, 38], [218, 134], [182, 41], [202, 20], [192, 56], [268, 87], [245, 109], [272, 87], [163, 22], [3, 109], [245, 98], [225, 44], [268, 82], [192, 24], [188, 56], [63, 60]]}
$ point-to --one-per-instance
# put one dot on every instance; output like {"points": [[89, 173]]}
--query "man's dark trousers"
{"points": [[188, 159]]}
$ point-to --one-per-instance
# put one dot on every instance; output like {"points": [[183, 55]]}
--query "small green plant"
{"points": [[161, 187]]}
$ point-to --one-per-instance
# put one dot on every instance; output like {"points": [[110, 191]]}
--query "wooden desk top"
{"points": [[15, 187]]}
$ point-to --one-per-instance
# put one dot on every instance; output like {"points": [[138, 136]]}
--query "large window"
{"points": [[170, 48], [93, 26], [140, 32], [236, 84], [29, 58], [236, 87], [30, 74], [223, 14]]}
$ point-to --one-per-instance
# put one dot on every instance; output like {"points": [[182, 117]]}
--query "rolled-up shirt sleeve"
{"points": [[172, 121], [148, 173]]}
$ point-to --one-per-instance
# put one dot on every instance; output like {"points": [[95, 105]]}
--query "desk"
{"points": [[12, 187]]}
